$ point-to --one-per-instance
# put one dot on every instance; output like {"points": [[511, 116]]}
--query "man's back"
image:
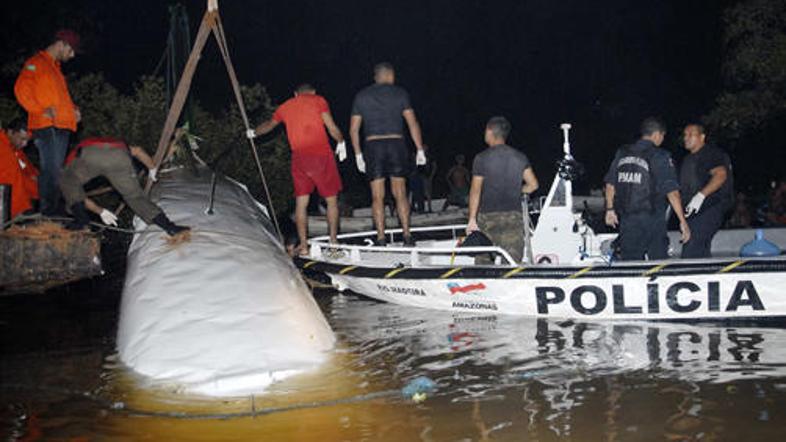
{"points": [[302, 116], [381, 107], [502, 168]]}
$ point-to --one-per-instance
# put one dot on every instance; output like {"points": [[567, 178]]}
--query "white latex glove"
{"points": [[360, 163], [695, 204], [341, 151], [108, 218], [153, 174], [251, 134], [420, 158]]}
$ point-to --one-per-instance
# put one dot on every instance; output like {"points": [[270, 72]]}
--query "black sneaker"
{"points": [[409, 241], [380, 242], [81, 218]]}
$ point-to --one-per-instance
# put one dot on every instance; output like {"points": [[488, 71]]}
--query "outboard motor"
{"points": [[759, 247]]}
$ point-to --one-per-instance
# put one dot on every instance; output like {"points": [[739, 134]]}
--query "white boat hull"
{"points": [[670, 290], [225, 313]]}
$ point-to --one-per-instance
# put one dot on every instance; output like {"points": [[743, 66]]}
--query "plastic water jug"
{"points": [[760, 247]]}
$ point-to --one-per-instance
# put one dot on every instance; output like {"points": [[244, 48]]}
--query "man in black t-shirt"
{"points": [[705, 181], [639, 182], [381, 109], [496, 188]]}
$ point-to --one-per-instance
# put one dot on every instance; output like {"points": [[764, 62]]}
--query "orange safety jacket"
{"points": [[11, 174], [29, 172], [41, 85]]}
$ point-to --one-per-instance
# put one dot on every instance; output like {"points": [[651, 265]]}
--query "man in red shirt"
{"points": [[306, 116]]}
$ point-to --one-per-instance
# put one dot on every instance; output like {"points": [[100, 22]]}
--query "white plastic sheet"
{"points": [[224, 314]]}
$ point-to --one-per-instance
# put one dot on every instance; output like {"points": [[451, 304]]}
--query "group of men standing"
{"points": [[640, 183], [642, 180], [380, 112], [52, 117]]}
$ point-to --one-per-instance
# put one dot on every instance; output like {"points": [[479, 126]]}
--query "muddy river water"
{"points": [[497, 378]]}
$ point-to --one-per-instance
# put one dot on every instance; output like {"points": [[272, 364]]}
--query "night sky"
{"points": [[602, 65]]}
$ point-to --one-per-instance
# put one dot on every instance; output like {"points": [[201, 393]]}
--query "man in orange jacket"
{"points": [[42, 90], [12, 139]]}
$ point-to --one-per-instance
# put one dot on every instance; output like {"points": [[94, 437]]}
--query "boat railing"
{"points": [[320, 244]]}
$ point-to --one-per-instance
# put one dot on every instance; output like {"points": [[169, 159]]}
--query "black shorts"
{"points": [[386, 158]]}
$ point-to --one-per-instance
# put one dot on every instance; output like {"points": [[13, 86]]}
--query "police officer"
{"points": [[639, 182], [705, 181]]}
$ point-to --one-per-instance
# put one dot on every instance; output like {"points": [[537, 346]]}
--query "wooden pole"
{"points": [[181, 93]]}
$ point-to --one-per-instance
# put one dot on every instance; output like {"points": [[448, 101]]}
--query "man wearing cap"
{"points": [[42, 91]]}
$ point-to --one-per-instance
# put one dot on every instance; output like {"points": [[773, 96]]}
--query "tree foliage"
{"points": [[754, 68]]}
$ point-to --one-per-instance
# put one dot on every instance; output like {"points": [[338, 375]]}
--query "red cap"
{"points": [[70, 37]]}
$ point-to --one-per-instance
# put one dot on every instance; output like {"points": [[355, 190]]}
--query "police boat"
{"points": [[569, 272]]}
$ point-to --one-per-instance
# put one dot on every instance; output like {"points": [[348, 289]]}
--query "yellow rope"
{"points": [[450, 273], [515, 271], [347, 269], [732, 266], [394, 272], [579, 273]]}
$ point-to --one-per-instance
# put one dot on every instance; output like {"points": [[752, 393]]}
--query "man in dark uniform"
{"points": [[381, 109], [705, 179], [639, 182], [495, 192]]}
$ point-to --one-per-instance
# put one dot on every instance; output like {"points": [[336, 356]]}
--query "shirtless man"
{"points": [[458, 178]]}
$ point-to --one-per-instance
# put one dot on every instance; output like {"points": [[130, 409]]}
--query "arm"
{"points": [[718, 177], [93, 207], [140, 154], [474, 202], [676, 205], [414, 128], [333, 130], [354, 132], [530, 181], [266, 127], [24, 89], [449, 178], [611, 214]]}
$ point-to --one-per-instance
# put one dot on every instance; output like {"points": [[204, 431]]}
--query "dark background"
{"points": [[602, 65]]}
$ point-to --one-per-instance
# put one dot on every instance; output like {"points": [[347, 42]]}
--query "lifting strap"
{"points": [[211, 22]]}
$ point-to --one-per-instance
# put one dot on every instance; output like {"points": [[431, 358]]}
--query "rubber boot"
{"points": [[167, 225], [81, 218]]}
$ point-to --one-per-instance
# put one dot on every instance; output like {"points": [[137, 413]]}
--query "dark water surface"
{"points": [[499, 378]]}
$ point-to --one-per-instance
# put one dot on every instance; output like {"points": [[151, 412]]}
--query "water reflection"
{"points": [[553, 351], [499, 377]]}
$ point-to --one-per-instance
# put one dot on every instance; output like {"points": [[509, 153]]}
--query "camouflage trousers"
{"points": [[505, 230]]}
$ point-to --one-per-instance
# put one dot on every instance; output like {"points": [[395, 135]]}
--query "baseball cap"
{"points": [[70, 37]]}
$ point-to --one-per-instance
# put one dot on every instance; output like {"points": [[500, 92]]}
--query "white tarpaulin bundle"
{"points": [[225, 313]]}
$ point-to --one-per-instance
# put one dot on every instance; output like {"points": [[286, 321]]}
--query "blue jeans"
{"points": [[52, 144]]}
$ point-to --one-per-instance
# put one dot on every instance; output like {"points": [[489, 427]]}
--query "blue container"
{"points": [[759, 247]]}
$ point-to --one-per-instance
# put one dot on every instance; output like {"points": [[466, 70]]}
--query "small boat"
{"points": [[569, 273]]}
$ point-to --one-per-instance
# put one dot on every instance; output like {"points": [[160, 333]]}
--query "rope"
{"points": [[254, 412], [218, 31]]}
